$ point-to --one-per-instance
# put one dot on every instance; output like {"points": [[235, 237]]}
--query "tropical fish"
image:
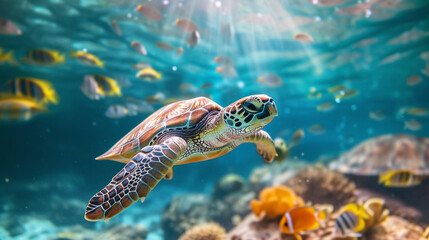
{"points": [[303, 37], [7, 57], [374, 208], [301, 219], [337, 88], [179, 51], [139, 48], [274, 202], [227, 71], [141, 65], [44, 57], [149, 75], [116, 28], [325, 107], [108, 86], [399, 178], [317, 129], [377, 115], [116, 111], [157, 97], [223, 61], [346, 225], [164, 46], [132, 108], [270, 79], [193, 39], [281, 149], [19, 107], [417, 111], [186, 25], [412, 124], [351, 221], [414, 80], [313, 95], [9, 28], [206, 85], [149, 12], [297, 137], [87, 58], [142, 105], [90, 88], [346, 94], [41, 90]]}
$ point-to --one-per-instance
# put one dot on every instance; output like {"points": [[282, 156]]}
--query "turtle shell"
{"points": [[387, 152], [186, 113]]}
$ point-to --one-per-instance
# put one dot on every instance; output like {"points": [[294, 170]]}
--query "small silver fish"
{"points": [[193, 39], [116, 28], [90, 88], [139, 48], [9, 28], [117, 111]]}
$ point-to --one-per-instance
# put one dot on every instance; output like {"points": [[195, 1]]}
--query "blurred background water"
{"points": [[48, 171]]}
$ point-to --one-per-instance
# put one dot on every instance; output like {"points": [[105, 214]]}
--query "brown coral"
{"points": [[320, 185], [205, 231]]}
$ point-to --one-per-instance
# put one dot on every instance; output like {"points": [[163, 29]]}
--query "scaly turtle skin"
{"points": [[384, 153], [183, 132]]}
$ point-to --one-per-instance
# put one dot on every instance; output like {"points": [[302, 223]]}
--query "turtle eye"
{"points": [[250, 107]]}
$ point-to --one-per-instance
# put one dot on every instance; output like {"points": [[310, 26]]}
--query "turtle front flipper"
{"points": [[135, 180], [264, 145]]}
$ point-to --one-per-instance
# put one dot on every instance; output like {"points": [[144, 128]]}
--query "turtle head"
{"points": [[250, 114]]}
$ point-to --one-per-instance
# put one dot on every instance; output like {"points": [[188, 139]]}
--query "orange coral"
{"points": [[274, 202]]}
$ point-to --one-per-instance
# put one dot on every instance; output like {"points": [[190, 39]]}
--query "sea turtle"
{"points": [[386, 153], [183, 132]]}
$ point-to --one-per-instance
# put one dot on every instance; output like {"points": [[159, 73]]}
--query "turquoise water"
{"points": [[48, 171]]}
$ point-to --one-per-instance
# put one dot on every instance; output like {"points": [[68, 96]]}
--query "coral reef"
{"points": [[274, 202], [229, 203], [123, 232], [252, 228], [183, 212], [320, 185], [205, 231]]}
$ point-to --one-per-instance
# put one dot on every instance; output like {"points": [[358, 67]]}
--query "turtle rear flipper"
{"points": [[135, 180]]}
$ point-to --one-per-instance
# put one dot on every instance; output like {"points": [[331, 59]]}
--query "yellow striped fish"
{"points": [[399, 178], [108, 86], [7, 57], [38, 89], [19, 108], [351, 221], [44, 57], [149, 75], [87, 58]]}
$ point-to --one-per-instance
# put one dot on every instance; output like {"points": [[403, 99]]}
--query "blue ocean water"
{"points": [[48, 169]]}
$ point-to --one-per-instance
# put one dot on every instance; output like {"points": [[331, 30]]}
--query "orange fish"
{"points": [[303, 37], [301, 219], [274, 202]]}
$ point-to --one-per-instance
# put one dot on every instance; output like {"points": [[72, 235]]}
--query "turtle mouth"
{"points": [[269, 111]]}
